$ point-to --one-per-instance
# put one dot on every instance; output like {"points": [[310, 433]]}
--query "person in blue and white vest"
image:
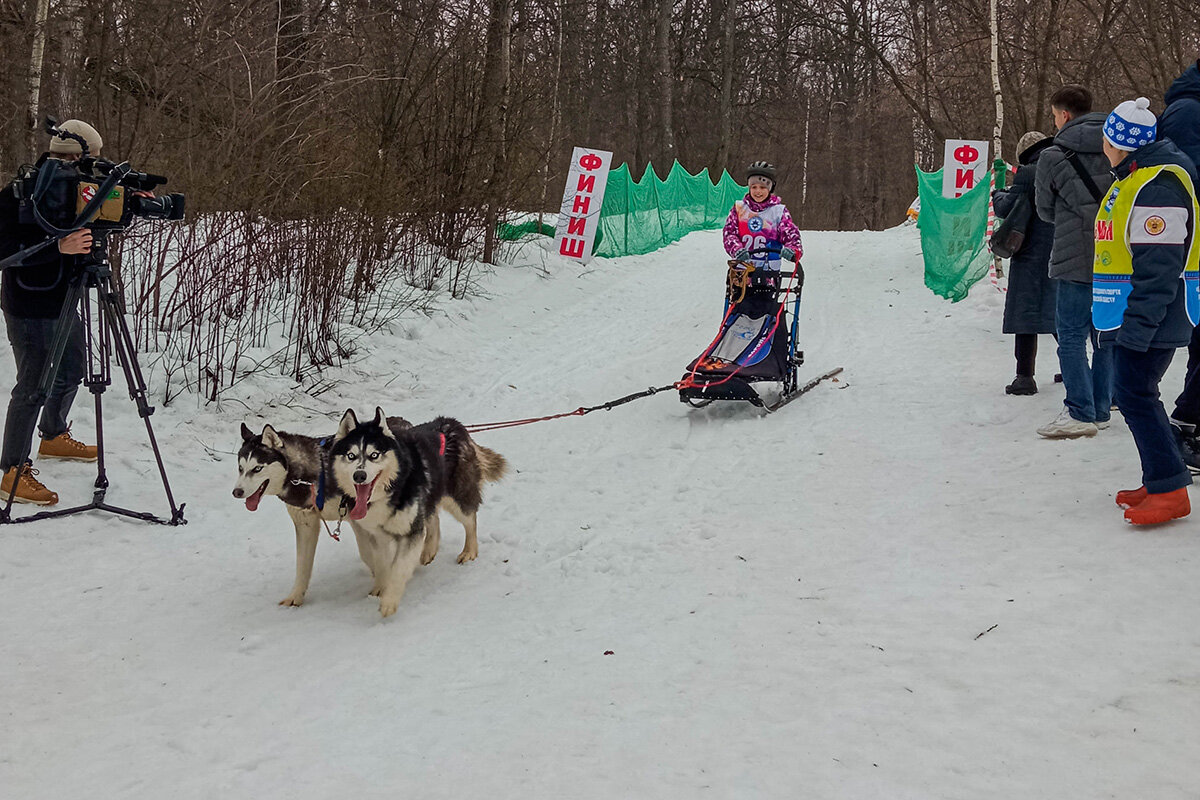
{"points": [[1146, 295]]}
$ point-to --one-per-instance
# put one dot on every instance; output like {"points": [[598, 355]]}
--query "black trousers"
{"points": [[31, 340], [1187, 405], [1136, 384]]}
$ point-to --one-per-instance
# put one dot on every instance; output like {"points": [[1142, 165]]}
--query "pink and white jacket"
{"points": [[766, 224]]}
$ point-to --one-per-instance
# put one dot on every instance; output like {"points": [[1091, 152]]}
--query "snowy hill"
{"points": [[890, 589]]}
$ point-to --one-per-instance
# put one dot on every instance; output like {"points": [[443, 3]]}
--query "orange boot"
{"points": [[29, 488], [65, 447], [1128, 498], [1158, 508]]}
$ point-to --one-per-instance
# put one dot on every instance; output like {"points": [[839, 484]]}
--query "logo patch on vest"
{"points": [[1104, 230], [1158, 225], [755, 224], [1112, 198]]}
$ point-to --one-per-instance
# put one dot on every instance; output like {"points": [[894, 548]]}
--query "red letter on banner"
{"points": [[572, 248], [966, 154], [587, 183], [964, 178], [591, 162], [581, 204], [576, 225]]}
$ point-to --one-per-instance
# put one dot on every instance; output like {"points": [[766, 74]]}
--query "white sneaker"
{"points": [[1064, 426], [1103, 426]]}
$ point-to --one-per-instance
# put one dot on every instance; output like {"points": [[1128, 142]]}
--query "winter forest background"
{"points": [[342, 158]]}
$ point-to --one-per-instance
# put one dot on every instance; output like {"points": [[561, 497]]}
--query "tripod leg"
{"points": [[97, 347], [54, 356], [122, 343]]}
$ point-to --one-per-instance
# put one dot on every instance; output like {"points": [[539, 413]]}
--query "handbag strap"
{"points": [[1073, 160]]}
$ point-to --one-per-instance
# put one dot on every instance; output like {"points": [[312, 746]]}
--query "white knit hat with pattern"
{"points": [[1131, 125]]}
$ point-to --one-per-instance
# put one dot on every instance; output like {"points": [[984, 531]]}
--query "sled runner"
{"points": [[756, 343]]}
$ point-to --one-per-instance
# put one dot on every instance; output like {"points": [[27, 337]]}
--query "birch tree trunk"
{"points": [[995, 25], [996, 143], [36, 60]]}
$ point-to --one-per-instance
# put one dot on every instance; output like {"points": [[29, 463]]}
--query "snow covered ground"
{"points": [[891, 589]]}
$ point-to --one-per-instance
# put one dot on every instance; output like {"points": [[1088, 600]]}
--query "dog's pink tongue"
{"points": [[362, 499], [253, 500]]}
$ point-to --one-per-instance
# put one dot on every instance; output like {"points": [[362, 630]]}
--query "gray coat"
{"points": [[1063, 199]]}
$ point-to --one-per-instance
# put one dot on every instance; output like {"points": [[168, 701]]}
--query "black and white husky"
{"points": [[289, 466], [398, 480]]}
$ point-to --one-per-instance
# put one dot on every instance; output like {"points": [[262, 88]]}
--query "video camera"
{"points": [[62, 196]]}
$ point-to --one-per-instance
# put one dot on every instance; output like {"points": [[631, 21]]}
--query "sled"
{"points": [[756, 343]]}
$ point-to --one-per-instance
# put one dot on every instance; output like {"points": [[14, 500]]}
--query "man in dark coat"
{"points": [[1071, 175], [1029, 301], [32, 295], [1181, 124], [1146, 286]]}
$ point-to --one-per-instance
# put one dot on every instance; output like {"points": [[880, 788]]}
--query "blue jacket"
{"points": [[1155, 316], [1181, 121]]}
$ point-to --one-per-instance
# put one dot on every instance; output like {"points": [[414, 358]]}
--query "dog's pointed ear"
{"points": [[271, 438], [247, 434], [382, 421], [349, 423]]}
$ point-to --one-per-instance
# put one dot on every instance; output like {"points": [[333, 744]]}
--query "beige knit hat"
{"points": [[1028, 140], [70, 146]]}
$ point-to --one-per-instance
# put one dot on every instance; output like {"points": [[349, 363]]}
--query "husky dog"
{"points": [[398, 480], [290, 467]]}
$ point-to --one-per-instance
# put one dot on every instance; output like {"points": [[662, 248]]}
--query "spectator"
{"points": [[1181, 124], [1146, 296], [1029, 302], [1072, 175]]}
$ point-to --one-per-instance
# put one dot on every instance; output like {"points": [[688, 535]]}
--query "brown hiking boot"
{"points": [[66, 448], [29, 488]]}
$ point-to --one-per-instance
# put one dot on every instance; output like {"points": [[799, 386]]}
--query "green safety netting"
{"points": [[509, 232], [638, 217], [952, 236]]}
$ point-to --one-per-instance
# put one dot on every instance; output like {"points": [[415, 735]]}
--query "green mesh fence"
{"points": [[513, 232], [639, 217], [952, 234]]}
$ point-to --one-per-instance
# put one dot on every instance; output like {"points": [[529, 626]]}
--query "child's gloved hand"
{"points": [[742, 255], [788, 253]]}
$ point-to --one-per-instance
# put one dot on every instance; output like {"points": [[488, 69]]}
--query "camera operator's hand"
{"points": [[76, 244]]}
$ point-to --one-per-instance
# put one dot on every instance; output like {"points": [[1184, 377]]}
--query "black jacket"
{"points": [[38, 288], [1029, 302], [1181, 121], [1155, 315]]}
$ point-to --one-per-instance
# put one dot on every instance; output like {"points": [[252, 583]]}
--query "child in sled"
{"points": [[760, 231]]}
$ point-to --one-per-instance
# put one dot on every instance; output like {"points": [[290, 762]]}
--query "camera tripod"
{"points": [[105, 332]]}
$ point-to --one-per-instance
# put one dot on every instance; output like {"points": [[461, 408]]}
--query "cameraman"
{"points": [[32, 296]]}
